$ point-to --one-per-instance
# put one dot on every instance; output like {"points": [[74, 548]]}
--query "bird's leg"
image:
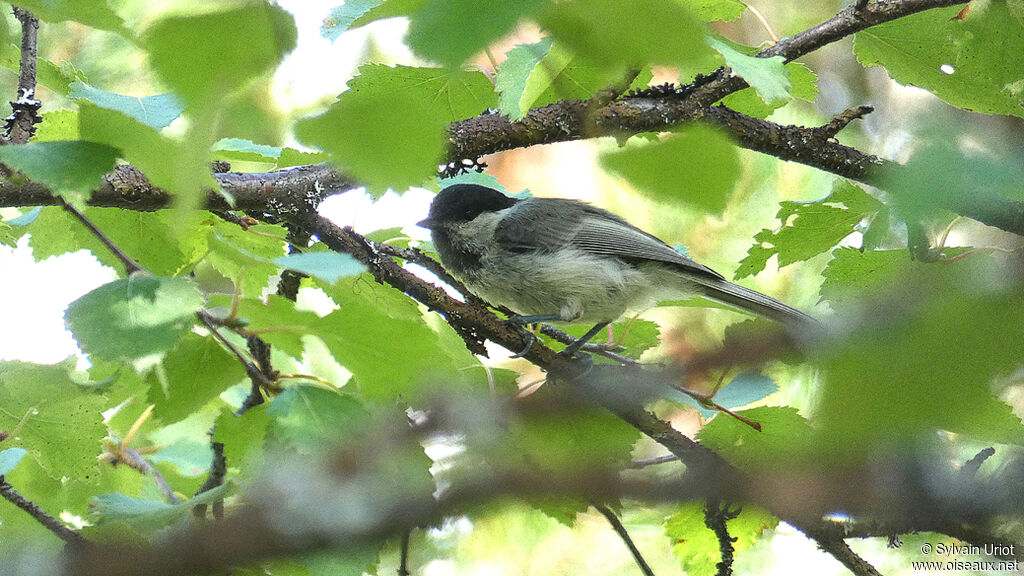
{"points": [[521, 321], [573, 348]]}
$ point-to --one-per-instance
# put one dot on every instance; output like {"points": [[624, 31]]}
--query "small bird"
{"points": [[560, 260]]}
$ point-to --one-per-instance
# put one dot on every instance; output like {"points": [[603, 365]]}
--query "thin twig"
{"points": [[764, 22], [20, 125], [130, 266], [136, 461], [255, 373], [716, 518], [645, 462], [403, 563], [599, 349], [214, 478], [52, 524], [288, 285], [841, 551], [971, 467], [609, 515], [842, 120], [416, 256]]}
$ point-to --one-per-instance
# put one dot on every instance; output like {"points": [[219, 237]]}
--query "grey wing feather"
{"points": [[574, 223]]}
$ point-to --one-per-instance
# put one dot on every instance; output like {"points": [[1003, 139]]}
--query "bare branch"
{"points": [[136, 461], [842, 120], [716, 517], [21, 124], [841, 551], [130, 265], [52, 524], [613, 519]]}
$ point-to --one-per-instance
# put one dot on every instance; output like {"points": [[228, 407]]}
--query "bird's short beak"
{"points": [[427, 223]]}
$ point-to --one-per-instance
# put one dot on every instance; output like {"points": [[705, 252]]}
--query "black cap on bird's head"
{"points": [[462, 203]]}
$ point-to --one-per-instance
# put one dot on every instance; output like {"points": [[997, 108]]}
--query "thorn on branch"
{"points": [[842, 120], [859, 7]]}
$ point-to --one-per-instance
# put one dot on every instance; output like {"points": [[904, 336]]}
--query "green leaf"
{"points": [[206, 57], [57, 421], [451, 94], [154, 111], [341, 17], [246, 150], [611, 32], [382, 148], [191, 458], [512, 74], [949, 331], [195, 372], [327, 266], [10, 458], [711, 10], [291, 157], [473, 177], [147, 237], [852, 273], [26, 218], [940, 175], [277, 320], [1016, 8], [243, 437], [134, 317], [451, 31], [803, 82], [150, 515], [670, 168], [744, 389], [244, 256], [94, 13], [768, 76], [785, 438], [48, 74], [956, 59], [141, 145], [697, 547], [68, 167], [57, 125], [310, 419], [374, 326], [389, 9], [810, 228], [587, 437]]}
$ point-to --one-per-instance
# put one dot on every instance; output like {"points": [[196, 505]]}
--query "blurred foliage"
{"points": [[917, 349]]}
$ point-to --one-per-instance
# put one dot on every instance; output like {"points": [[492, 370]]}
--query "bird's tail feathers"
{"points": [[754, 302]]}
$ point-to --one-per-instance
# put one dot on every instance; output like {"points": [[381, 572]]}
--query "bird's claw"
{"points": [[531, 339], [529, 336]]}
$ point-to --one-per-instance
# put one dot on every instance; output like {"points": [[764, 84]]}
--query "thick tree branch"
{"points": [[280, 192]]}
